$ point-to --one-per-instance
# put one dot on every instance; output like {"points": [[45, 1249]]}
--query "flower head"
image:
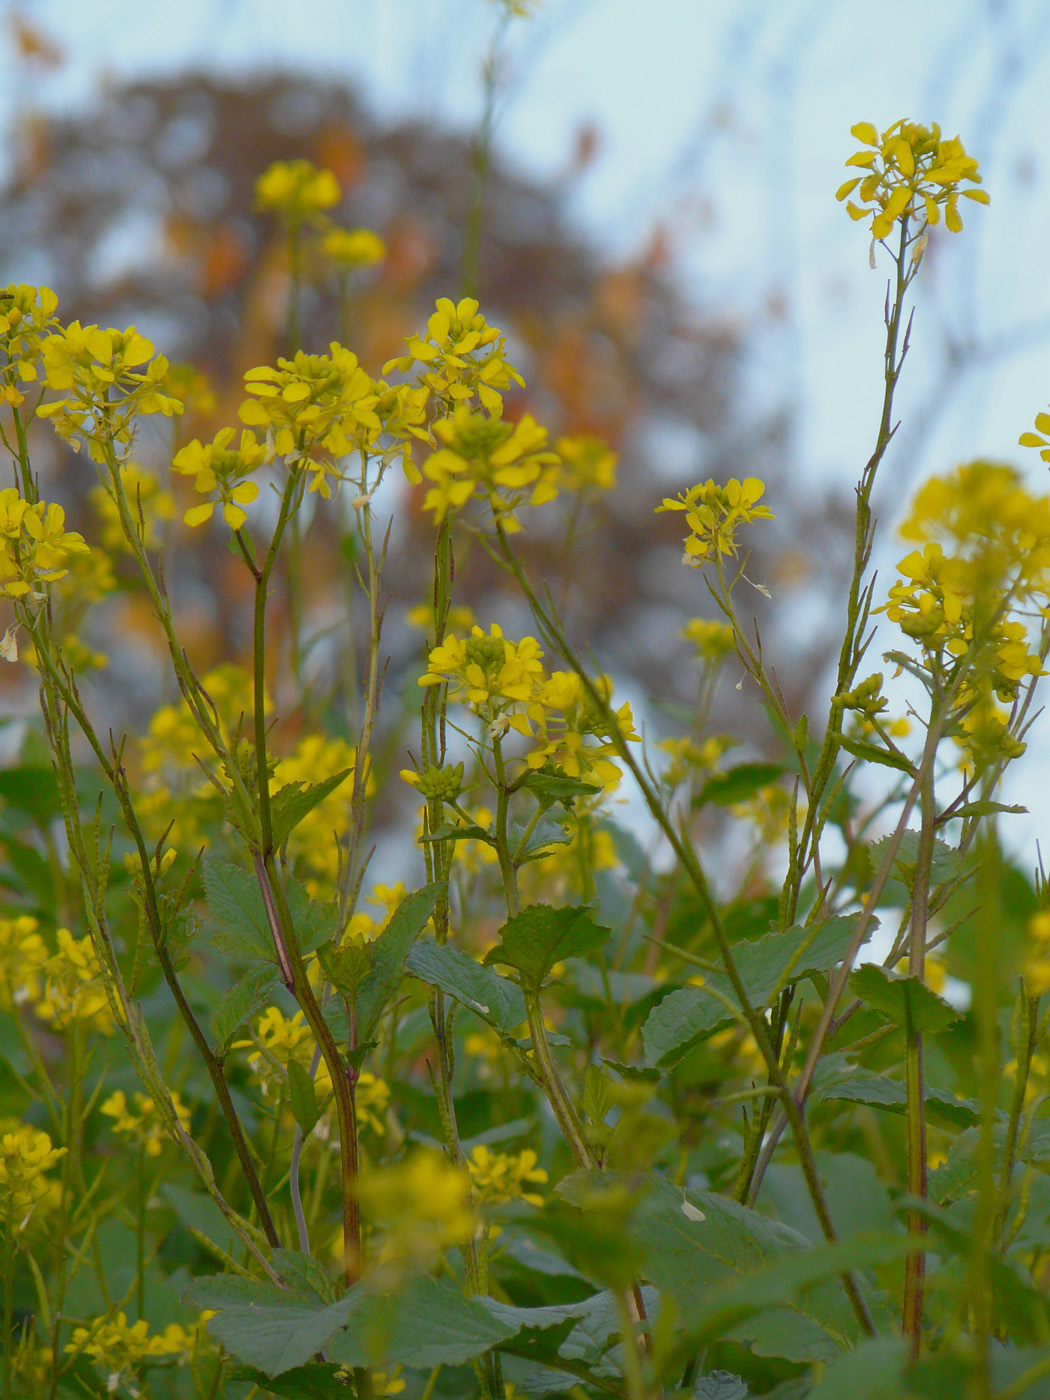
{"points": [[715, 513], [508, 464], [910, 172], [461, 357], [296, 190], [217, 467], [351, 248]]}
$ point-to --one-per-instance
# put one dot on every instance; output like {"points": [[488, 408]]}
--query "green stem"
{"points": [[1029, 1008], [986, 1015], [915, 1265]]}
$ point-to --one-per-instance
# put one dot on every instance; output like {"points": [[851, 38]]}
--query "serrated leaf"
{"points": [[303, 1097], [875, 753], [389, 952], [291, 803], [904, 1000], [685, 1017], [495, 999], [429, 1323], [235, 906], [248, 995], [739, 783], [304, 1273], [265, 1326], [944, 866], [987, 809], [534, 940]]}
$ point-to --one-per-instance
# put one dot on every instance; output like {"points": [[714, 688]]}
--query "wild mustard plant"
{"points": [[522, 1127]]}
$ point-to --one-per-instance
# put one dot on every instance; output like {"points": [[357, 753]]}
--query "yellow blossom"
{"points": [[500, 1176], [145, 1126], [507, 464], [909, 171], [715, 513], [119, 1348], [218, 467], [23, 959], [27, 315], [35, 546], [461, 357], [74, 990], [26, 1154], [351, 248], [297, 190], [486, 671]]}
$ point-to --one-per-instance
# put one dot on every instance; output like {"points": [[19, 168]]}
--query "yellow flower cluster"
{"points": [[74, 988], [506, 463], [713, 640], [144, 1126], [962, 603], [419, 1207], [35, 545], [296, 190], [910, 171], [279, 1039], [714, 514], [1037, 964], [26, 1154], [460, 357], [23, 957], [119, 1349], [506, 684], [312, 402], [218, 467], [586, 463], [500, 1176], [350, 248], [27, 315], [109, 378]]}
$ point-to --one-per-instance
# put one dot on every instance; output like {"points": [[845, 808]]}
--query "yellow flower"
{"points": [[460, 357], [74, 990], [119, 1349], [27, 314], [99, 371], [146, 1126], [507, 463], [351, 248], [563, 717], [587, 464], [715, 513], [486, 671], [23, 958], [296, 190], [420, 1207], [312, 402], [910, 171], [35, 546], [218, 467], [713, 640], [25, 1155], [499, 1176]]}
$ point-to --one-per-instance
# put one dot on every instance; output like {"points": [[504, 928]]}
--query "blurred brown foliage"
{"points": [[140, 211]]}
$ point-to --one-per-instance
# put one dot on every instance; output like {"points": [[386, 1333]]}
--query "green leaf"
{"points": [[685, 1017], [291, 803], [235, 905], [879, 1091], [945, 865], [534, 940], [248, 995], [320, 1380], [904, 1000], [467, 832], [305, 1274], [199, 1212], [303, 1097], [739, 783], [265, 1326], [557, 787], [429, 1323], [873, 1371], [31, 788], [986, 809], [546, 833], [875, 753], [389, 952], [495, 999]]}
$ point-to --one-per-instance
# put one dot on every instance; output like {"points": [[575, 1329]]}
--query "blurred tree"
{"points": [[141, 211]]}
